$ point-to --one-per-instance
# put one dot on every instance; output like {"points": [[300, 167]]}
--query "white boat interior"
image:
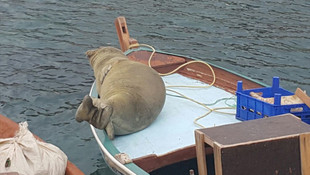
{"points": [[174, 127]]}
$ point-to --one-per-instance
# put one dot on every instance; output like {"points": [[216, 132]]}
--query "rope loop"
{"points": [[210, 110]]}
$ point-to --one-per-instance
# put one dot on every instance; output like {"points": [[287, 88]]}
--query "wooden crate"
{"points": [[275, 145]]}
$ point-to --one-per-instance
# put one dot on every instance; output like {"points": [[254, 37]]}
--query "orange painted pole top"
{"points": [[123, 35]]}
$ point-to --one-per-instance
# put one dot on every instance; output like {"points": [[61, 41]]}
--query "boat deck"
{"points": [[170, 138], [174, 127]]}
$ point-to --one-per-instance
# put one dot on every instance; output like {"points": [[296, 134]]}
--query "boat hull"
{"points": [[147, 163], [8, 128]]}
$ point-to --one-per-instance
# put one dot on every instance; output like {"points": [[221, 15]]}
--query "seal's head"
{"points": [[103, 54]]}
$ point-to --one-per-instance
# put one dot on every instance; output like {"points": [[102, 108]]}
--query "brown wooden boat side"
{"points": [[8, 128], [164, 63], [153, 162]]}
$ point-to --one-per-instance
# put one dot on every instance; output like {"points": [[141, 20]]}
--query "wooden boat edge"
{"points": [[193, 58], [197, 71], [9, 128]]}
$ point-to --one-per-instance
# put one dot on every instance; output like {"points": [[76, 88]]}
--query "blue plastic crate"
{"points": [[249, 108]]}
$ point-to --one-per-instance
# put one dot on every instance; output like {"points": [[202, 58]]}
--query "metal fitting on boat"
{"points": [[123, 158]]}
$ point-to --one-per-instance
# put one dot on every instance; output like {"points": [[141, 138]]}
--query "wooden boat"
{"points": [[170, 140], [8, 128]]}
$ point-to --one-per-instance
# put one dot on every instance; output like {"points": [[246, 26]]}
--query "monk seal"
{"points": [[131, 94]]}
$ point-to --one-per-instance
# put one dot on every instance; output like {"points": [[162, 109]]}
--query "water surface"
{"points": [[44, 73]]}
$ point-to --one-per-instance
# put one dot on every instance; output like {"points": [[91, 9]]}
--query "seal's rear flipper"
{"points": [[84, 110]]}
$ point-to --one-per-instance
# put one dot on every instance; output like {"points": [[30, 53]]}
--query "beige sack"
{"points": [[28, 156]]}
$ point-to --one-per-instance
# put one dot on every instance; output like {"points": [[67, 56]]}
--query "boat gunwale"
{"points": [[194, 58], [9, 128]]}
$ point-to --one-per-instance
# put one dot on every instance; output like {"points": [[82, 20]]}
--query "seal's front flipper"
{"points": [[105, 71], [110, 130], [101, 116], [85, 109]]}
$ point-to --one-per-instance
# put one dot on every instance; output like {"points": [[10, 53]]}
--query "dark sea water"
{"points": [[44, 73]]}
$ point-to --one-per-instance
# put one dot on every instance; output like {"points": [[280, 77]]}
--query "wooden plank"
{"points": [[305, 153], [164, 63], [159, 60], [123, 34], [201, 153], [224, 79], [8, 127], [153, 162], [277, 156], [303, 96], [217, 159], [256, 130]]}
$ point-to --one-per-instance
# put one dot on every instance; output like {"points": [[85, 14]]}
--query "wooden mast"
{"points": [[123, 35]]}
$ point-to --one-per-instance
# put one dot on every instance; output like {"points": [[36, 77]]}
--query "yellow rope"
{"points": [[145, 45], [178, 68], [203, 105], [195, 101], [190, 99]]}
